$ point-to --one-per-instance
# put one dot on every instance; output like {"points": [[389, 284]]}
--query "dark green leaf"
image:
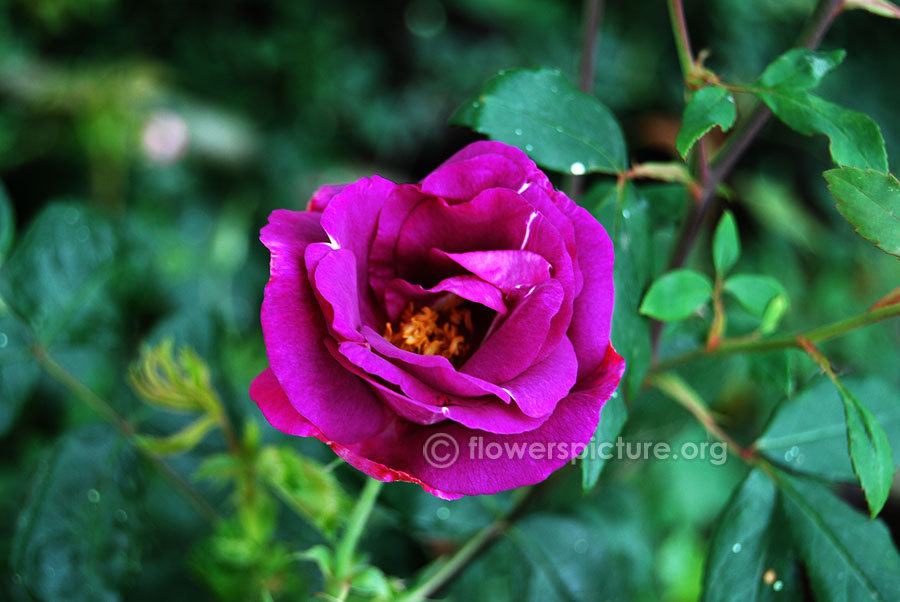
{"points": [[749, 540], [76, 537], [870, 451], [612, 419], [18, 372], [676, 295], [855, 139], [56, 276], [800, 69], [754, 291], [726, 244], [708, 107], [847, 556], [7, 225], [809, 432], [626, 219], [539, 111], [870, 201]]}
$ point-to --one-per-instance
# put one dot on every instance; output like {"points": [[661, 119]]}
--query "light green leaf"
{"points": [[750, 538], [855, 139], [775, 310], [180, 442], [726, 244], [800, 69], [870, 201], [539, 111], [847, 556], [708, 107], [870, 451], [754, 291], [808, 433], [304, 485], [612, 419], [676, 295]]}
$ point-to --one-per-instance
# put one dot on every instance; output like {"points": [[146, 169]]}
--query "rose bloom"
{"points": [[414, 327]]}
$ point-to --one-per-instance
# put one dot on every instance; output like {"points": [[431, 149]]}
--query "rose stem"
{"points": [[343, 557]]}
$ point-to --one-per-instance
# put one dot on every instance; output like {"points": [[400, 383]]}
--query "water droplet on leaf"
{"points": [[93, 496], [577, 168]]}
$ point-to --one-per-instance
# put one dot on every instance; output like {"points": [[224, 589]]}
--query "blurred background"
{"points": [[163, 133]]}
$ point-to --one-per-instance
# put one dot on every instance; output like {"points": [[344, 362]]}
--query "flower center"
{"points": [[441, 330]]}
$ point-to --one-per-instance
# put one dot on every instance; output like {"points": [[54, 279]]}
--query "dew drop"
{"points": [[443, 513], [529, 147], [559, 129], [626, 213], [778, 586], [3, 340], [736, 548], [795, 450], [615, 394], [476, 104], [93, 496], [121, 515], [577, 168], [554, 89], [580, 546], [518, 131], [50, 571]]}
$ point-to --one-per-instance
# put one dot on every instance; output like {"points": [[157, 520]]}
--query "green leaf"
{"points": [[57, 276], [626, 219], [612, 419], [882, 8], [847, 556], [7, 224], [808, 433], [754, 291], [676, 295], [180, 442], [76, 538], [775, 310], [304, 485], [539, 111], [855, 139], [870, 201], [800, 69], [18, 372], [726, 244], [870, 451], [750, 539], [708, 107]]}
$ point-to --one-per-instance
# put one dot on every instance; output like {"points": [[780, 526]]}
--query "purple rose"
{"points": [[452, 333]]}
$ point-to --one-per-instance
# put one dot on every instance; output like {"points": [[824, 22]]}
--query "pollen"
{"points": [[444, 331]]}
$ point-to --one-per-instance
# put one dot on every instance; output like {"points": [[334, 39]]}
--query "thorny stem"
{"points": [[744, 134], [828, 331], [81, 391]]}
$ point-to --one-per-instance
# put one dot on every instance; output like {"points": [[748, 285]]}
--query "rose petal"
{"points": [[334, 275], [293, 327], [465, 179], [537, 390], [391, 221], [323, 196], [399, 293], [488, 413], [505, 269], [515, 344], [534, 176]]}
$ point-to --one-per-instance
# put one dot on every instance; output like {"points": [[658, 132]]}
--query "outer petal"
{"points": [[464, 180], [593, 309], [534, 175], [323, 196], [342, 407]]}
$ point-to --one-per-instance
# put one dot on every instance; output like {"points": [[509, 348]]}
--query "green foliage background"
{"points": [[107, 248]]}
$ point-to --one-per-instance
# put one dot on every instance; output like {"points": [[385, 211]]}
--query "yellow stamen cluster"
{"points": [[433, 332]]}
